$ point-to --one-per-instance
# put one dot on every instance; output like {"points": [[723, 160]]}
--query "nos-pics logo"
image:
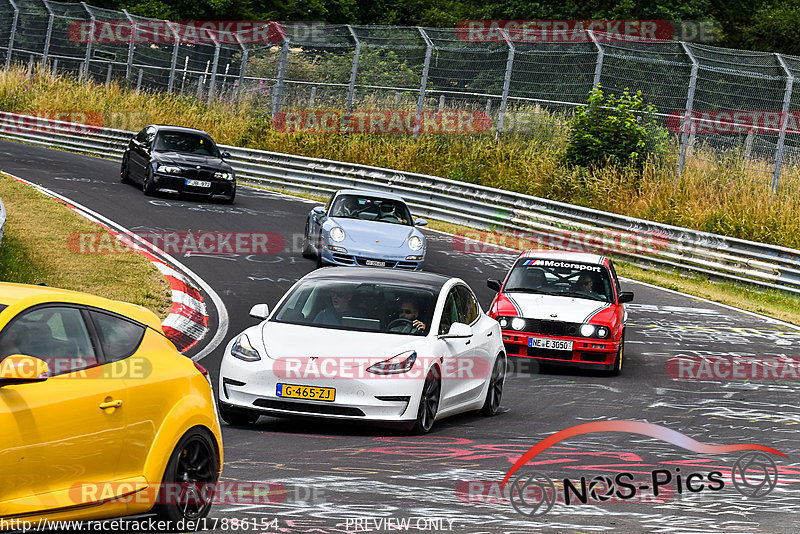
{"points": [[533, 494]]}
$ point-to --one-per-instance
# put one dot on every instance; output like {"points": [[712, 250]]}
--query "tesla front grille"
{"points": [[321, 409]]}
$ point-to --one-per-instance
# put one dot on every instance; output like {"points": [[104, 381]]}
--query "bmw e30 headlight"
{"points": [[337, 234], [414, 243], [587, 330]]}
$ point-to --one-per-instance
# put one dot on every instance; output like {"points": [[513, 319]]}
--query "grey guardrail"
{"points": [[525, 218]]}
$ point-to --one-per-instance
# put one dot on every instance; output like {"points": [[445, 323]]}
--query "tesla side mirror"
{"points": [[225, 155], [457, 331], [493, 284], [420, 222], [22, 369], [625, 296], [319, 210], [259, 311]]}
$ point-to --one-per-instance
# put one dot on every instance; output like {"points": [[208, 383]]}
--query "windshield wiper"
{"points": [[526, 290], [582, 295]]}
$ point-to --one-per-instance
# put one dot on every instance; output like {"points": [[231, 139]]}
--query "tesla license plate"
{"points": [[306, 392], [554, 344], [198, 183], [375, 263]]}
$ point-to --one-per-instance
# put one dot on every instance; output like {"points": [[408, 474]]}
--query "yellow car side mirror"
{"points": [[22, 369]]}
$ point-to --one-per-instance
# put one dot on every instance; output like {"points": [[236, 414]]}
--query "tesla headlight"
{"points": [[243, 350], [587, 330], [337, 234], [518, 323], [223, 175], [402, 363], [169, 169], [414, 242]]}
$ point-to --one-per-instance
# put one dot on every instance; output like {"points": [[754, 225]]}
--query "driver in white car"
{"points": [[408, 310]]}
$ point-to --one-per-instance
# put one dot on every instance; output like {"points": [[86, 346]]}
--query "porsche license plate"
{"points": [[375, 263], [553, 344], [198, 183], [306, 392]]}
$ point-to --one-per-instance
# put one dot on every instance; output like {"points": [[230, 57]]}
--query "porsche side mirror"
{"points": [[493, 284], [420, 222], [259, 311], [625, 296], [319, 210], [22, 369]]}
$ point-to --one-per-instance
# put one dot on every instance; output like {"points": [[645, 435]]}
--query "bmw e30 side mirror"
{"points": [[493, 284], [625, 296]]}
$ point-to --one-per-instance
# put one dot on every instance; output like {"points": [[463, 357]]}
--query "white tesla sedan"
{"points": [[366, 344]]}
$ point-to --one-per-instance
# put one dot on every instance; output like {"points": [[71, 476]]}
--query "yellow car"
{"points": [[100, 415]]}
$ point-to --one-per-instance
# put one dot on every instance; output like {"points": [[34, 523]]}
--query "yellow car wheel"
{"points": [[189, 483]]}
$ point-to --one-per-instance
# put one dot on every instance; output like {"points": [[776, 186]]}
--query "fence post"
{"points": [[13, 33], [174, 61], [598, 69], [506, 83], [787, 98], [129, 63], [423, 85], [685, 119], [49, 35], [277, 94], [88, 45], [212, 86], [242, 69], [351, 89]]}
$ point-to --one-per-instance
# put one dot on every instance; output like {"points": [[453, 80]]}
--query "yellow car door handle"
{"points": [[110, 404]]}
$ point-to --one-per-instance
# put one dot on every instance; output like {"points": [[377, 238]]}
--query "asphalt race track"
{"points": [[353, 478]]}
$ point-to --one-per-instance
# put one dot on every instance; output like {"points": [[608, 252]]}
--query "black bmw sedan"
{"points": [[178, 160]]}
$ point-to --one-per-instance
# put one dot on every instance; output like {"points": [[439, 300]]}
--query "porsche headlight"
{"points": [[414, 242], [337, 234], [169, 169], [587, 330], [402, 363], [243, 350], [223, 175]]}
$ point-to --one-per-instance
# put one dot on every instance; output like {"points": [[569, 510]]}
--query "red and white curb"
{"points": [[187, 322]]}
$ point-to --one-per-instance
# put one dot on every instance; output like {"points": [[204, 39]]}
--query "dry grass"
{"points": [[714, 195], [35, 250]]}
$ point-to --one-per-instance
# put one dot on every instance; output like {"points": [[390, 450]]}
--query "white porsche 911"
{"points": [[366, 344]]}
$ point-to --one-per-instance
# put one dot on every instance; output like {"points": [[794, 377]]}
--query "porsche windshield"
{"points": [[562, 278], [185, 143], [371, 209], [361, 306]]}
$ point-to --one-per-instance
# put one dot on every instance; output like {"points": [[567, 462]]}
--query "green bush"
{"points": [[619, 131]]}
